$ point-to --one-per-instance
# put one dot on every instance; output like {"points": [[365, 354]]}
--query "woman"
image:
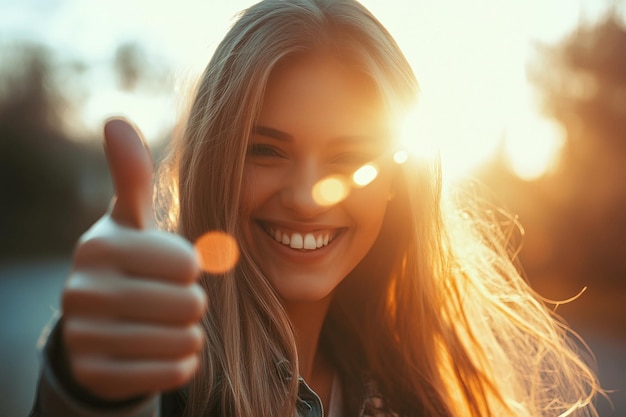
{"points": [[385, 300]]}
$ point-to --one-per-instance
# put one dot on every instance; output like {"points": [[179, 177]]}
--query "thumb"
{"points": [[130, 164]]}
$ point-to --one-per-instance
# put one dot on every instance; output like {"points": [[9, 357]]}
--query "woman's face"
{"points": [[318, 119]]}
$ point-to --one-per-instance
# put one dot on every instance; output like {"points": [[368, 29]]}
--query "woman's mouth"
{"points": [[300, 240]]}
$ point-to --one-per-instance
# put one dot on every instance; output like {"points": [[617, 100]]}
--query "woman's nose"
{"points": [[297, 194]]}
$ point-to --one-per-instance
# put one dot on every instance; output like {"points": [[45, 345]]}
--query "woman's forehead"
{"points": [[323, 61], [321, 89]]}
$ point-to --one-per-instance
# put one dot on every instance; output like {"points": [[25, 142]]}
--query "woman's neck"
{"points": [[307, 319]]}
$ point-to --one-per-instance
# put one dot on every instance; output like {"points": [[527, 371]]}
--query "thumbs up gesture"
{"points": [[131, 302]]}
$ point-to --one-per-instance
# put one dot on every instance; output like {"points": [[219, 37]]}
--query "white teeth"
{"points": [[296, 241], [307, 241]]}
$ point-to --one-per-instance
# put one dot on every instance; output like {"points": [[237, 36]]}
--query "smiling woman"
{"points": [[390, 298], [324, 121]]}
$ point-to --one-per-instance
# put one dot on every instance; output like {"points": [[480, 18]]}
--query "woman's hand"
{"points": [[131, 303]]}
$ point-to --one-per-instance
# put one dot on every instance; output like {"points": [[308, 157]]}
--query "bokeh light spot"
{"points": [[533, 147], [364, 175], [218, 252], [400, 156], [330, 190]]}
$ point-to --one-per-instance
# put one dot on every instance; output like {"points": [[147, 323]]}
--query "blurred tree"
{"points": [[53, 187], [583, 81], [129, 63], [575, 217], [42, 180], [135, 67]]}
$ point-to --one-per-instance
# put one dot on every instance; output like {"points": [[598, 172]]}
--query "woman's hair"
{"points": [[436, 314]]}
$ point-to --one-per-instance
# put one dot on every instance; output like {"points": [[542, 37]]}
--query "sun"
{"points": [[470, 59]]}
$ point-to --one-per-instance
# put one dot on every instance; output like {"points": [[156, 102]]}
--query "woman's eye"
{"points": [[258, 149]]}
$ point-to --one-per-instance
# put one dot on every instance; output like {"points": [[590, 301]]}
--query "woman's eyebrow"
{"points": [[273, 133], [270, 132], [356, 140]]}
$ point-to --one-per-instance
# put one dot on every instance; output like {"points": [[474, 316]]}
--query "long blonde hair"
{"points": [[436, 313]]}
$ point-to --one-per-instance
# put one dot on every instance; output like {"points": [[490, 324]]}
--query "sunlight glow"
{"points": [[413, 136], [365, 175], [331, 190], [533, 146], [469, 58], [141, 109], [218, 252]]}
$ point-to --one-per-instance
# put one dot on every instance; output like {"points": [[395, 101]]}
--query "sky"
{"points": [[470, 58]]}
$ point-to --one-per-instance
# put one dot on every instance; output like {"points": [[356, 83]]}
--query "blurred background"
{"points": [[528, 98]]}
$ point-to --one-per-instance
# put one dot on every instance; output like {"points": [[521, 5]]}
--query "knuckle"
{"points": [[189, 267], [199, 338], [74, 286], [93, 247], [194, 339], [82, 294], [198, 301], [67, 300], [182, 371], [73, 293], [191, 264], [71, 334], [81, 335], [182, 253]]}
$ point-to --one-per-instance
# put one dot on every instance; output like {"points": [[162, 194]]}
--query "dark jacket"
{"points": [[59, 396]]}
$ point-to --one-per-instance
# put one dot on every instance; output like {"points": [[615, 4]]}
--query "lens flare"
{"points": [[400, 156], [330, 190], [218, 252], [365, 175]]}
